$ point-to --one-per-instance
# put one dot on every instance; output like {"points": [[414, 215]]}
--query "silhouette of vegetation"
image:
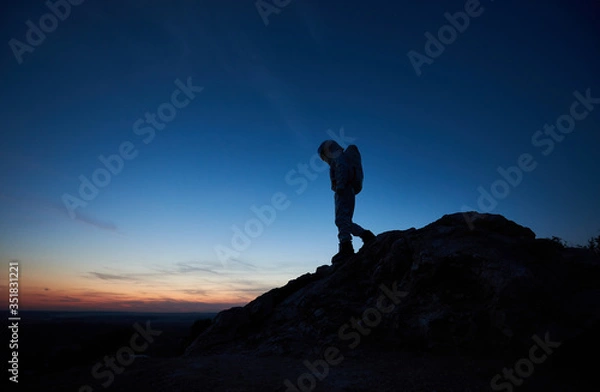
{"points": [[559, 241], [594, 244]]}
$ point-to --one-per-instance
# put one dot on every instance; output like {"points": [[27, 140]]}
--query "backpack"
{"points": [[354, 161]]}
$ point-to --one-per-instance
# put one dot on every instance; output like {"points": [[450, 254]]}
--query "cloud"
{"points": [[100, 224], [99, 294], [160, 272], [104, 276], [187, 267], [248, 266], [33, 203], [26, 166], [69, 299], [194, 292]]}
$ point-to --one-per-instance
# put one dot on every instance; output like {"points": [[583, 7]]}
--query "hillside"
{"points": [[448, 307], [491, 290]]}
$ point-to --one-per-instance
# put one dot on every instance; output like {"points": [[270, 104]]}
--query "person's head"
{"points": [[329, 150]]}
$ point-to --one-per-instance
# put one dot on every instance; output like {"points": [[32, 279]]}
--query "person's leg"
{"points": [[355, 229], [345, 203], [344, 210]]}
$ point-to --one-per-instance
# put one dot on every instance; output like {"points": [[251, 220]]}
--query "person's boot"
{"points": [[346, 250], [367, 237]]}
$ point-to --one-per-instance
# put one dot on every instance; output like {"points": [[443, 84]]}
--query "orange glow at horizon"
{"points": [[64, 294], [44, 287], [90, 300]]}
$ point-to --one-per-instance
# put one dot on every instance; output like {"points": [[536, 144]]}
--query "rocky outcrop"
{"points": [[483, 287]]}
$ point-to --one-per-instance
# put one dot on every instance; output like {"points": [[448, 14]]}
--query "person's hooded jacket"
{"points": [[339, 171]]}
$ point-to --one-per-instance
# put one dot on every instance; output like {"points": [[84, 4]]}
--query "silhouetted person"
{"points": [[345, 171]]}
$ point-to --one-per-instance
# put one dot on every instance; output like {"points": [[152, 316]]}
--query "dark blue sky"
{"points": [[271, 94]]}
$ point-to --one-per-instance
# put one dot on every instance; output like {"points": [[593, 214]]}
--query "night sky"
{"points": [[140, 136]]}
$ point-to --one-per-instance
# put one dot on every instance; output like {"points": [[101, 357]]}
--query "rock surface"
{"points": [[450, 307], [483, 288]]}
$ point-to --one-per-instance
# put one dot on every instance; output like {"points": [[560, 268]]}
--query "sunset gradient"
{"points": [[140, 140]]}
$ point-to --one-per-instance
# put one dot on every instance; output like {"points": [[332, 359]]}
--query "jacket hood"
{"points": [[329, 150]]}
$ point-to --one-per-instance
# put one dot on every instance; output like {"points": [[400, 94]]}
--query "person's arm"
{"points": [[332, 177], [340, 173]]}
